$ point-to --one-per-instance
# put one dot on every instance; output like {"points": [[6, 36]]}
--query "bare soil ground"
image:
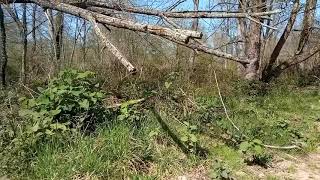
{"points": [[306, 167], [296, 168]]}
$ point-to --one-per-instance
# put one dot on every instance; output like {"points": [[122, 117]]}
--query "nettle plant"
{"points": [[189, 137], [71, 101], [255, 153]]}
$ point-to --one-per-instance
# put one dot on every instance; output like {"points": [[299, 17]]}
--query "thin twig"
{"points": [[29, 90], [223, 104], [281, 147]]}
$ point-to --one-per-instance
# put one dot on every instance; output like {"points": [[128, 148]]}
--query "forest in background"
{"points": [[158, 89]]}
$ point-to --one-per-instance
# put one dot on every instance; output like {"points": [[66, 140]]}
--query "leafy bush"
{"points": [[255, 153], [220, 171], [189, 137], [70, 101]]}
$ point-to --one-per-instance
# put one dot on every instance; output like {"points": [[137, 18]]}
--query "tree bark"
{"points": [[254, 44], [194, 27], [24, 39], [112, 48], [3, 51], [308, 21], [242, 37], [34, 38], [179, 36], [58, 37], [269, 71], [84, 42]]}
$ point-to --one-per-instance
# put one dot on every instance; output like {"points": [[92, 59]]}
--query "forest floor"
{"points": [[139, 142], [285, 167], [291, 167]]}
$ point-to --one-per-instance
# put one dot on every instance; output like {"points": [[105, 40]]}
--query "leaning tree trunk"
{"points": [[3, 52], [308, 21], [272, 71]]}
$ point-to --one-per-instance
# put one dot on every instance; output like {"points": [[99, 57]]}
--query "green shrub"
{"points": [[70, 101], [220, 171], [255, 153]]}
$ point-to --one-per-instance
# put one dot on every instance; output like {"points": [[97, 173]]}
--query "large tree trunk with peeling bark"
{"points": [[253, 43], [3, 51]]}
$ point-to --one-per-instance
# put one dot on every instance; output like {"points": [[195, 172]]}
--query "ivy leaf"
{"points": [[34, 128], [84, 75], [99, 95], [31, 103], [257, 141], [49, 132], [55, 112], [244, 146], [84, 104], [57, 126], [43, 101], [184, 138], [193, 128], [25, 112], [193, 138], [258, 149], [76, 93], [225, 174]]}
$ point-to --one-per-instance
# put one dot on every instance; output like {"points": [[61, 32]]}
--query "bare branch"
{"points": [[111, 47], [99, 6]]}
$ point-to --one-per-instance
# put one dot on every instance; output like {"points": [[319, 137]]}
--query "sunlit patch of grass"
{"points": [[106, 155], [143, 150]]}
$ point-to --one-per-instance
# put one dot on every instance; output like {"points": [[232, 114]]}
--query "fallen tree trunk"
{"points": [[170, 34], [180, 36]]}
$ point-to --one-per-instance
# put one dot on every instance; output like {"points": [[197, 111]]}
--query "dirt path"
{"points": [[284, 167], [290, 167]]}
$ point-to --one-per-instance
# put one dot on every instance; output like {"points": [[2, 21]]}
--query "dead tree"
{"points": [[252, 16]]}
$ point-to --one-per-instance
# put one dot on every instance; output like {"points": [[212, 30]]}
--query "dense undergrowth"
{"points": [[78, 128]]}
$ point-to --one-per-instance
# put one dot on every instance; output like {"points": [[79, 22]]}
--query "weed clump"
{"points": [[69, 103]]}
